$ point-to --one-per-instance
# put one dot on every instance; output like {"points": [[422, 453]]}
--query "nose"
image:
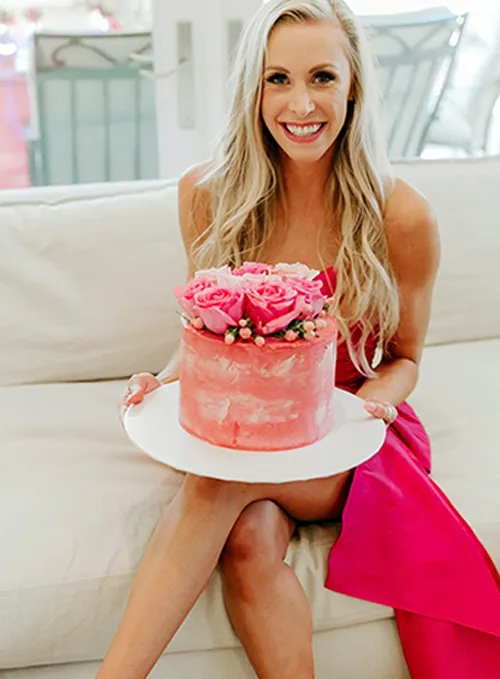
{"points": [[301, 103]]}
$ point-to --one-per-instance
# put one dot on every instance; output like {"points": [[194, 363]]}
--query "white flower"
{"points": [[221, 275], [297, 270]]}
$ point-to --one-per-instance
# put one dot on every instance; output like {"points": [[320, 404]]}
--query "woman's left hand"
{"points": [[382, 410]]}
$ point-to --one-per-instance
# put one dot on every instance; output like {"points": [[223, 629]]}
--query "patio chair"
{"points": [[464, 121], [415, 54], [94, 115]]}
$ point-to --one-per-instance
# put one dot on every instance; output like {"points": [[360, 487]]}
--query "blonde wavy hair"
{"points": [[244, 181]]}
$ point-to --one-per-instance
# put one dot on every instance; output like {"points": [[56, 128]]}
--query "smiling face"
{"points": [[306, 88]]}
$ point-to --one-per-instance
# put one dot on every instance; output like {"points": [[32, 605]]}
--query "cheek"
{"points": [[269, 107], [336, 107]]}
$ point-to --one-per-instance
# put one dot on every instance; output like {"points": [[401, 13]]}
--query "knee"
{"points": [[258, 541]]}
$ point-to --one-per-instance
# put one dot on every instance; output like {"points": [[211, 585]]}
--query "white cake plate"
{"points": [[154, 427]]}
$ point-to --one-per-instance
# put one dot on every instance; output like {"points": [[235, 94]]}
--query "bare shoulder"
{"points": [[193, 205], [407, 209], [412, 234], [189, 179]]}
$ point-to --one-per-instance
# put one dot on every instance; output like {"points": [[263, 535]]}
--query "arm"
{"points": [[171, 371], [414, 250], [192, 223]]}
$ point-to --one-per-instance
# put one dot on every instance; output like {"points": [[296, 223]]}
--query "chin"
{"points": [[305, 155], [304, 158]]}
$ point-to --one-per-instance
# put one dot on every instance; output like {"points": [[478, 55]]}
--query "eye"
{"points": [[323, 77], [277, 79]]}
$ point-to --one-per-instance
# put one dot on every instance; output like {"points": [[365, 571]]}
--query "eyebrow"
{"points": [[281, 69]]}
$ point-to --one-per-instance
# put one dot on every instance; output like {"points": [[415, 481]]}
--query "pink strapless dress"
{"points": [[404, 545]]}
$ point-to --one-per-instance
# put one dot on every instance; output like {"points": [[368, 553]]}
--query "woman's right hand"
{"points": [[138, 386]]}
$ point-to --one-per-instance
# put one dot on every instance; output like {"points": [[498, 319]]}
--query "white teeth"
{"points": [[303, 130]]}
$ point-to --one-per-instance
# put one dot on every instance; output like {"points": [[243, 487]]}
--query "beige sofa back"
{"points": [[466, 196], [87, 272], [86, 275]]}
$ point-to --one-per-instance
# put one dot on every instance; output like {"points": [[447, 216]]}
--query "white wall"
{"points": [[394, 6], [187, 125]]}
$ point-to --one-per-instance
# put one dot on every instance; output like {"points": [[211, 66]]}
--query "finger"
{"points": [[137, 381], [151, 385], [135, 387], [376, 409], [383, 410], [135, 397], [392, 413]]}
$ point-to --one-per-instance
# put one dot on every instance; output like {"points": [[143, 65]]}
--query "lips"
{"points": [[304, 132]]}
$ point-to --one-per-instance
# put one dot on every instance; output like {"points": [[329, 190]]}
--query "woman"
{"points": [[301, 175]]}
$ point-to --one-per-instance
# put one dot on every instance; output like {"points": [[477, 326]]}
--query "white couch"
{"points": [[86, 278]]}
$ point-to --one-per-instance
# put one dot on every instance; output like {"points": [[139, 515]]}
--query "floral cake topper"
{"points": [[255, 301]]}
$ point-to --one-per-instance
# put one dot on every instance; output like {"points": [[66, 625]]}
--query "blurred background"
{"points": [[110, 90]]}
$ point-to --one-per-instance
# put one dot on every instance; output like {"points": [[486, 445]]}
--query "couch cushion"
{"points": [[466, 199], [86, 279], [370, 650], [79, 504], [82, 503], [457, 398]]}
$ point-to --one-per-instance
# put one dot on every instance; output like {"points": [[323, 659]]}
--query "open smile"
{"points": [[303, 133]]}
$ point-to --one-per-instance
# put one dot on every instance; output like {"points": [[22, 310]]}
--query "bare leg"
{"points": [[184, 552], [264, 599], [175, 568]]}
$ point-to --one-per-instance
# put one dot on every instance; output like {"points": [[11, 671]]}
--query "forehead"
{"points": [[297, 45]]}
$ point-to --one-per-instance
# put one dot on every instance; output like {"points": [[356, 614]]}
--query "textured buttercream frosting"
{"points": [[275, 397]]}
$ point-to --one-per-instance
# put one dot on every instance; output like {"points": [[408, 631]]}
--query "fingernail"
{"points": [[370, 406]]}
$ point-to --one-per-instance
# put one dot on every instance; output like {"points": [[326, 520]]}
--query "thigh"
{"points": [[316, 500]]}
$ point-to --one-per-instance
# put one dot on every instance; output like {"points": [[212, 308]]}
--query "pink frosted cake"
{"points": [[258, 357]]}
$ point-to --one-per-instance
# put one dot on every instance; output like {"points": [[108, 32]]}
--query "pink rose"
{"points": [[271, 306], [255, 268], [219, 307], [311, 291], [185, 294]]}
